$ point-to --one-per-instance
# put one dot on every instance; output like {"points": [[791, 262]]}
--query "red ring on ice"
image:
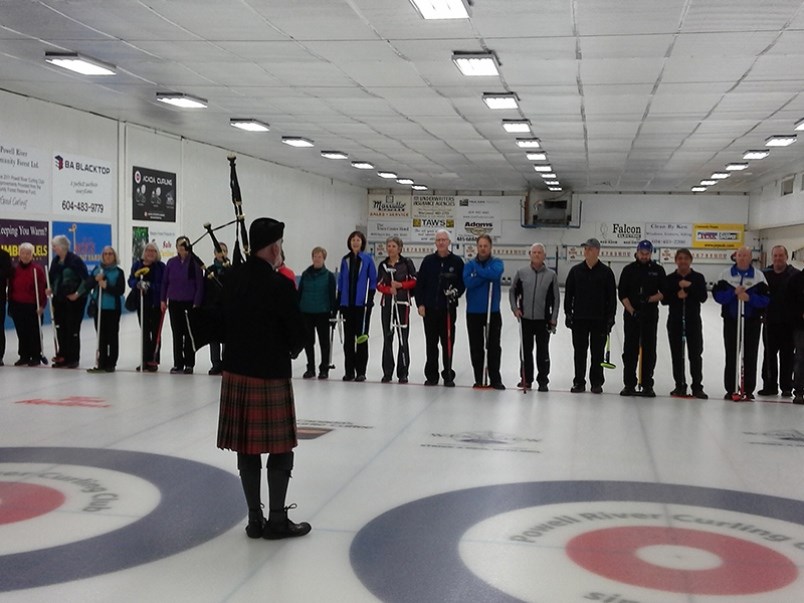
{"points": [[747, 568], [19, 501]]}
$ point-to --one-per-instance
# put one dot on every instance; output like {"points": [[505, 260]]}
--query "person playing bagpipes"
{"points": [[145, 281], [182, 290], [396, 278], [357, 282], [106, 285]]}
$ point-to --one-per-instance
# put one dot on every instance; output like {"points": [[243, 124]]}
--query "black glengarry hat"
{"points": [[263, 232]]}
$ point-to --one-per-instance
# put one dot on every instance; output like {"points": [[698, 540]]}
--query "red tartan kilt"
{"points": [[256, 415]]}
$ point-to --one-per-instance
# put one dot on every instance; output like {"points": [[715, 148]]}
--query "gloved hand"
{"points": [[569, 321], [144, 286], [452, 294]]}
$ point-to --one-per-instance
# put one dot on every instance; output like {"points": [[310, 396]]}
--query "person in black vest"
{"points": [[640, 291], [263, 332], [684, 292], [439, 284], [6, 270], [590, 304], [777, 333]]}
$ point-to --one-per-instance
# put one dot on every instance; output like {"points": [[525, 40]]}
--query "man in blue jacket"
{"points": [[482, 276], [741, 282]]}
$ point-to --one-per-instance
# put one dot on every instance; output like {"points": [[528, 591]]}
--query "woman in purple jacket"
{"points": [[182, 290]]}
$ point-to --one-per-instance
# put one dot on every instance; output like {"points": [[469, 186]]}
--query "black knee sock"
{"points": [[249, 466]]}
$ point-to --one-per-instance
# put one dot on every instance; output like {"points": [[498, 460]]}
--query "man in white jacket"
{"points": [[534, 298]]}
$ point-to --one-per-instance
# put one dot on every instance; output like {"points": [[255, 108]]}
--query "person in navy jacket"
{"points": [[481, 274], [357, 283], [745, 283]]}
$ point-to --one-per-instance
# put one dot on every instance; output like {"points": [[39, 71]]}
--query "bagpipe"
{"points": [[205, 324]]}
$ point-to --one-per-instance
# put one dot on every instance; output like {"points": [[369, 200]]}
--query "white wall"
{"points": [[779, 219]]}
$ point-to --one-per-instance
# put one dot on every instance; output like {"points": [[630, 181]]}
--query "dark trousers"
{"points": [[476, 328], [536, 330], [153, 315], [317, 324], [589, 335], [751, 335], [26, 323], [108, 338], [356, 321], [68, 316], [389, 329], [798, 371], [439, 328], [639, 332], [778, 340], [691, 337], [183, 352], [2, 330]]}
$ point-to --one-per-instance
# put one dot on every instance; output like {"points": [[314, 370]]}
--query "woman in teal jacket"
{"points": [[107, 282]]}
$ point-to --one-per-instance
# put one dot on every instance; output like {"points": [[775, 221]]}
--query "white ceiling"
{"points": [[625, 95]]}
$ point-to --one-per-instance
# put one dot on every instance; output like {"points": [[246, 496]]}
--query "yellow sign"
{"points": [[718, 236]]}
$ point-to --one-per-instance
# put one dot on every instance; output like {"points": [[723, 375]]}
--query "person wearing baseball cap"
{"points": [[640, 291], [263, 332], [590, 304]]}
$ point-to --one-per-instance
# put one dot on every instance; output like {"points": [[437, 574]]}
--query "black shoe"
{"points": [[385, 379], [524, 385], [71, 365], [360, 378], [96, 369], [498, 386], [679, 392], [308, 374], [256, 524], [279, 526], [700, 394], [176, 370], [109, 369], [628, 391], [323, 375], [188, 370], [786, 393], [798, 399], [449, 383], [403, 380], [431, 382], [597, 389], [348, 378], [478, 386], [768, 391], [215, 370], [728, 396], [647, 392], [749, 397], [151, 367], [33, 362], [543, 388], [22, 362], [578, 389]]}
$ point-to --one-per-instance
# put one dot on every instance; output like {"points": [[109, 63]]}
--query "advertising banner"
{"points": [[154, 195], [15, 232], [433, 207], [24, 179], [82, 186], [718, 236], [379, 230], [86, 240], [619, 234], [475, 216], [424, 229], [389, 206], [669, 234]]}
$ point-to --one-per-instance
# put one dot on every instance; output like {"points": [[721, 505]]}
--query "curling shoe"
{"points": [[256, 524], [279, 526]]}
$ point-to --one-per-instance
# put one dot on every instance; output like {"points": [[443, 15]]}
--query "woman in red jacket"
{"points": [[27, 280], [396, 278]]}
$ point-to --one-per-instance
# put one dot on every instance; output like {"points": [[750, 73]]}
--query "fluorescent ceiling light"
{"points": [[539, 156], [419, 187], [698, 189], [552, 182], [475, 64], [548, 175], [528, 143], [799, 125], [543, 168], [181, 100], [554, 188], [404, 181], [441, 9], [719, 176], [708, 182], [756, 154], [501, 101], [297, 141], [780, 140], [389, 175], [249, 125], [362, 165], [516, 125], [736, 167], [334, 155], [79, 63]]}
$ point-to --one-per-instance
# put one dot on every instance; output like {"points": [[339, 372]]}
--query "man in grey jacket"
{"points": [[534, 298]]}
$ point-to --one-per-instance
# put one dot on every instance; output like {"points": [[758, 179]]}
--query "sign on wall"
{"points": [[669, 234], [433, 207], [620, 234], [86, 240], [154, 195], [15, 232], [82, 186], [389, 206], [718, 236], [476, 216], [24, 179]]}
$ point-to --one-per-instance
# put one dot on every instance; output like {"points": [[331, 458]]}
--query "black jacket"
{"points": [[794, 297], [435, 275], [6, 269], [777, 312], [262, 320], [590, 293], [639, 281], [696, 295]]}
